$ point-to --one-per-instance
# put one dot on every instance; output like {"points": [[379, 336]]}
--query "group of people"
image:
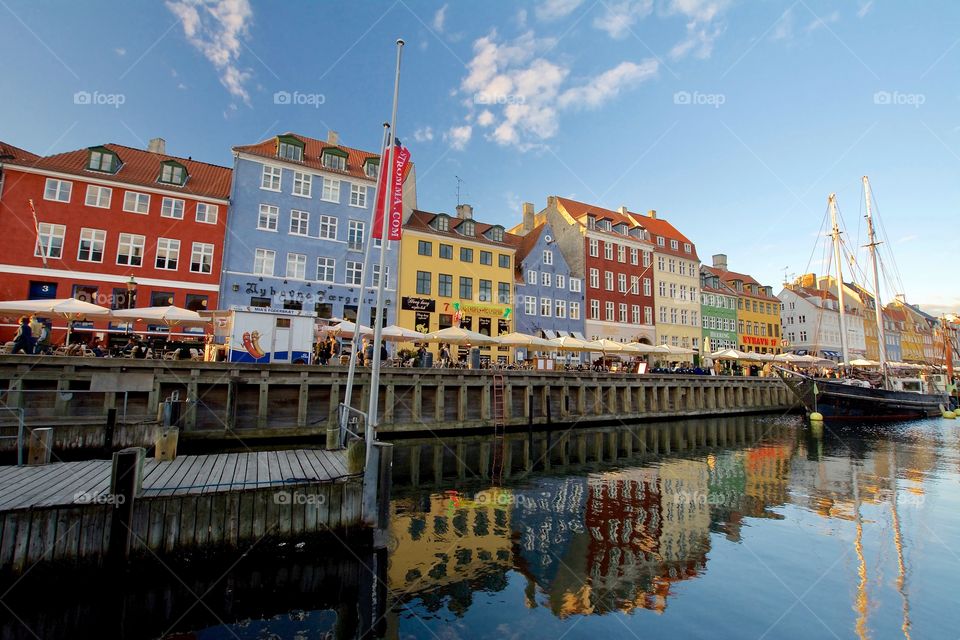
{"points": [[33, 336]]}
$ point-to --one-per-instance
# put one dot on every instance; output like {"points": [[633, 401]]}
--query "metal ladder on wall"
{"points": [[499, 429]]}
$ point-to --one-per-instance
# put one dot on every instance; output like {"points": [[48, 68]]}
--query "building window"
{"points": [[661, 263], [621, 253], [296, 266], [136, 202], [496, 234], [91, 245], [424, 248], [130, 250], [531, 277], [622, 313], [547, 256], [290, 151], [674, 245], [161, 298], [575, 285], [442, 223], [445, 285], [663, 314], [50, 240], [331, 190], [466, 288], [594, 248], [594, 309], [263, 262], [673, 291], [267, 220], [486, 258], [325, 269], [207, 213], [105, 161], [634, 255], [546, 279], [333, 160], [594, 278], [647, 287], [648, 315], [354, 273], [646, 259], [530, 305], [358, 195], [375, 276], [608, 280], [270, 179], [504, 260], [98, 196], [299, 222], [608, 251], [466, 255], [196, 302], [503, 293], [173, 173], [424, 280], [608, 308], [168, 254], [172, 208], [561, 281], [635, 314], [485, 292], [467, 228], [371, 167], [574, 310], [546, 307], [201, 258], [622, 282], [328, 227], [355, 233], [257, 301], [57, 190], [302, 184], [560, 308], [672, 265], [446, 251]]}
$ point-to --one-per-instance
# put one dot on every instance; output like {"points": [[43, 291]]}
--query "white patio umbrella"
{"points": [[639, 347], [517, 339], [456, 335], [69, 308], [397, 333], [728, 354], [674, 351], [569, 343], [608, 346], [346, 329], [862, 362], [170, 315]]}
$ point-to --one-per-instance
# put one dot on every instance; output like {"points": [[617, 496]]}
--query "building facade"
{"points": [[718, 313], [301, 214], [811, 321], [116, 226], [549, 298], [916, 335], [457, 271], [758, 310], [676, 274], [892, 328], [855, 315], [614, 256]]}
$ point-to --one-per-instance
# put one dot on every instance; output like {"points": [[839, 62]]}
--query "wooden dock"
{"points": [[65, 511]]}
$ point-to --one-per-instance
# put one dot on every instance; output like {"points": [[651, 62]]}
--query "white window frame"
{"points": [[202, 250], [358, 195], [547, 257], [302, 184], [594, 278], [326, 266], [635, 314], [531, 277], [608, 250], [621, 253], [574, 310], [530, 305], [622, 282], [356, 229], [608, 280], [546, 279], [271, 179], [268, 218], [170, 246], [299, 263], [94, 237], [131, 242], [169, 208], [210, 215], [51, 232], [594, 248], [609, 311], [546, 307], [594, 309], [331, 190], [262, 258], [302, 221], [96, 193], [328, 227], [561, 281], [353, 275], [559, 308], [634, 256], [622, 313], [576, 285], [136, 202], [57, 190]]}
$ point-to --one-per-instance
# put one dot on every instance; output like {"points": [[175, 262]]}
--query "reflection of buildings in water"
{"points": [[447, 545]]}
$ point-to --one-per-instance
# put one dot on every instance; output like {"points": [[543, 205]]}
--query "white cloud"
{"points": [[423, 134], [181, 86], [522, 19], [120, 51], [821, 21], [608, 85], [216, 28], [703, 26], [439, 18], [865, 8], [458, 137], [784, 28], [619, 17], [908, 238], [556, 9], [486, 118]]}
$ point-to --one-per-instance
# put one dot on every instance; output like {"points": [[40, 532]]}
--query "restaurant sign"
{"points": [[409, 303]]}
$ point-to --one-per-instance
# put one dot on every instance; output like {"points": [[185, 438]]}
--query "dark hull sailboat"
{"points": [[837, 401]]}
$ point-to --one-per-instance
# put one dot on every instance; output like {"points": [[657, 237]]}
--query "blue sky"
{"points": [[733, 119]]}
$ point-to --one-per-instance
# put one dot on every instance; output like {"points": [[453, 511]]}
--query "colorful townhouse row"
{"points": [[288, 225]]}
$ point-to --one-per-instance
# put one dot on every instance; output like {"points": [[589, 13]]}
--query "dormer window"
{"points": [[468, 228], [102, 159], [686, 247], [622, 228], [661, 242], [496, 234], [289, 148], [441, 223], [173, 173], [334, 158], [371, 167], [606, 225], [591, 222], [674, 245]]}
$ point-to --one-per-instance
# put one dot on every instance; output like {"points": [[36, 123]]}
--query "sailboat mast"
{"points": [[832, 200], [877, 306]]}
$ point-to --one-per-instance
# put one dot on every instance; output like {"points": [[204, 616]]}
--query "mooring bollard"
{"points": [[356, 455], [109, 429], [165, 446], [126, 483], [377, 485], [41, 443]]}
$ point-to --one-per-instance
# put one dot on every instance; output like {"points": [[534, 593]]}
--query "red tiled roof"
{"points": [[580, 210], [660, 227], [815, 293], [525, 245], [10, 153], [142, 168], [312, 154], [420, 221], [728, 276]]}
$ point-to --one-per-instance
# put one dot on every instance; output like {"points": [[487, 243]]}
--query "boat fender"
{"points": [[816, 416]]}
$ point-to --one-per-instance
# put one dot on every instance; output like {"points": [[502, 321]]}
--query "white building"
{"points": [[811, 321]]}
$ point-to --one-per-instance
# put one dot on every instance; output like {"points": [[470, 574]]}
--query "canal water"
{"points": [[743, 527]]}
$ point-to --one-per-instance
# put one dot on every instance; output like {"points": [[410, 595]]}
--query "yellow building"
{"points": [[914, 330], [758, 310], [456, 271]]}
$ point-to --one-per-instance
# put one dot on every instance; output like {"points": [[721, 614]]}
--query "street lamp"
{"points": [[131, 291]]}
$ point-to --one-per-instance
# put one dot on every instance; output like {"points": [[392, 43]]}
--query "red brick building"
{"points": [[113, 225], [614, 256]]}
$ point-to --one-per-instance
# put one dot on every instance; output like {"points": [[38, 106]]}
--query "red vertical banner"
{"points": [[392, 184]]}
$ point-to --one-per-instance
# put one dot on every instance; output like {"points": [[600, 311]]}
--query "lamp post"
{"points": [[131, 291]]}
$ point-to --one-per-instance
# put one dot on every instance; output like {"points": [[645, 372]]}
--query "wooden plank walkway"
{"points": [[73, 483]]}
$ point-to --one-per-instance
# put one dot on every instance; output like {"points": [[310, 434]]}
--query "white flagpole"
{"points": [[355, 342], [378, 328]]}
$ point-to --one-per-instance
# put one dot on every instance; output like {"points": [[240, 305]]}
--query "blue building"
{"points": [[299, 220], [550, 297]]}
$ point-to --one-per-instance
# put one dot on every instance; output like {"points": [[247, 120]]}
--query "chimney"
{"points": [[157, 145], [333, 137], [623, 210], [551, 202], [653, 214], [528, 217], [465, 211], [808, 280], [720, 261], [901, 298]]}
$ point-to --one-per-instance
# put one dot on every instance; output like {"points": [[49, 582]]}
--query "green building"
{"points": [[718, 311]]}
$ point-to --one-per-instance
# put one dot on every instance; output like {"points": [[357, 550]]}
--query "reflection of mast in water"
{"points": [[862, 599], [898, 542]]}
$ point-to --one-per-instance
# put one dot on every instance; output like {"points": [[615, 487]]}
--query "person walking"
{"points": [[23, 339], [35, 327]]}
